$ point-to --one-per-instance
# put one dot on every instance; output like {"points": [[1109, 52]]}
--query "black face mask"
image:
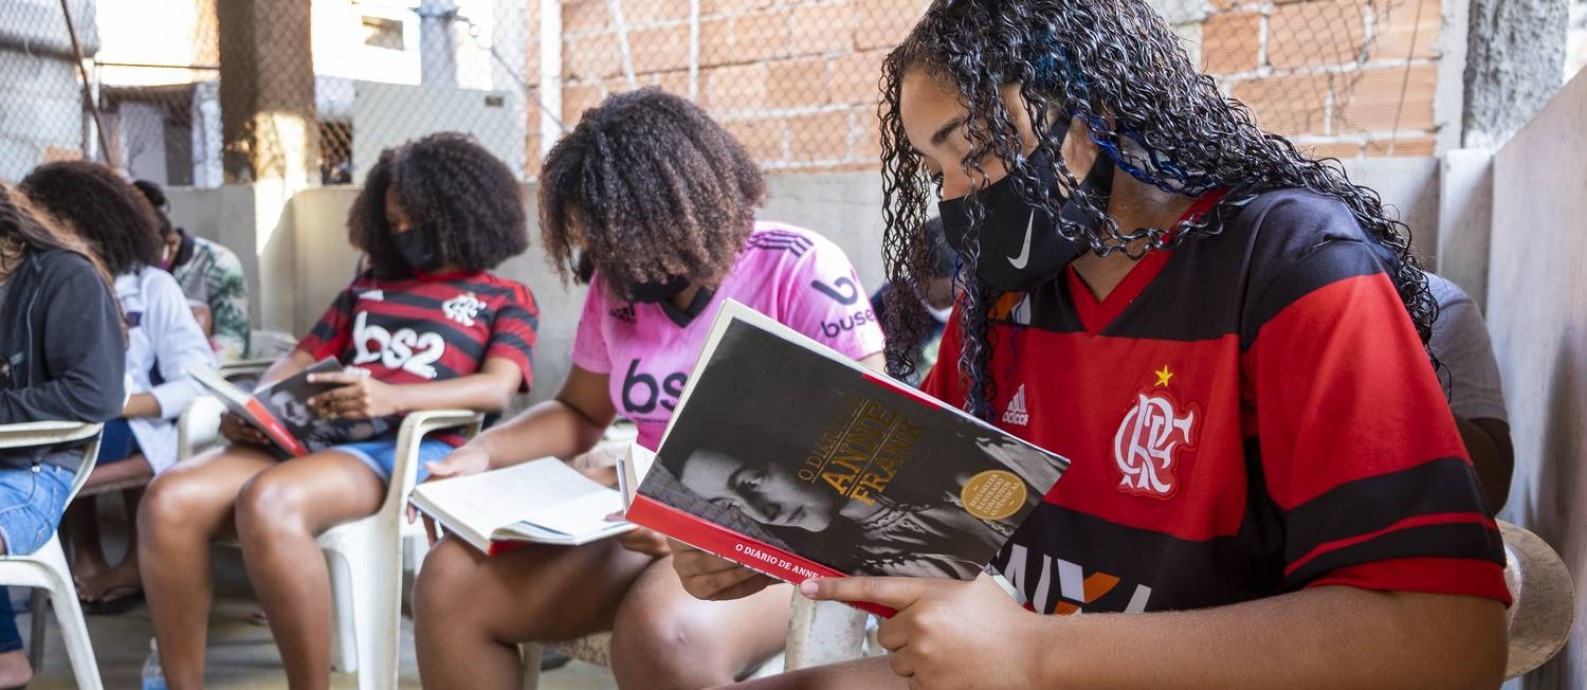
{"points": [[1020, 245], [416, 251], [652, 292]]}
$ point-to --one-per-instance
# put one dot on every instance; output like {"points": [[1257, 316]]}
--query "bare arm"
{"points": [[141, 405], [1493, 456], [358, 396], [563, 427], [950, 634], [1328, 637], [286, 367]]}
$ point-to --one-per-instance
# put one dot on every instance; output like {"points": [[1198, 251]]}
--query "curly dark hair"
{"points": [[33, 229], [646, 188], [94, 201], [155, 195], [466, 201], [1116, 66]]}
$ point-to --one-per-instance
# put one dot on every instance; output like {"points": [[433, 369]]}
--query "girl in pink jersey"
{"points": [[426, 327], [655, 203]]}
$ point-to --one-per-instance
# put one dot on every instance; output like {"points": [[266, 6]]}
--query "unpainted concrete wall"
{"points": [[1537, 313]]}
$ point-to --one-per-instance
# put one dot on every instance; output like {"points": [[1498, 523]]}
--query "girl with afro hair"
{"points": [[426, 326]]}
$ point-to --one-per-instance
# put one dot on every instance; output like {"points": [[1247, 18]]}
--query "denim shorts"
{"points": [[381, 454], [31, 502]]}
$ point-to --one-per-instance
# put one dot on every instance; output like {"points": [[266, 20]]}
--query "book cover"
{"points": [[282, 412], [543, 501], [791, 459]]}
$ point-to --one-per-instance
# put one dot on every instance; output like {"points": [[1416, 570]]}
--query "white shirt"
{"points": [[161, 335]]}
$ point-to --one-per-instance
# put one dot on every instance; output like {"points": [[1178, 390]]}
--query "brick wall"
{"points": [[796, 80]]}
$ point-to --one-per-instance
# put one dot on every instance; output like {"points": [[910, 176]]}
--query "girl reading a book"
{"points": [[1224, 335], [426, 327], [164, 344], [61, 345], [653, 204]]}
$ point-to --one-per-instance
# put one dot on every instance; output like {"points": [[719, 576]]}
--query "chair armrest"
{"points": [[31, 434], [417, 425], [198, 427], [247, 367]]}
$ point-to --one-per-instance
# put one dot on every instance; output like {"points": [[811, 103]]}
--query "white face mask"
{"points": [[941, 315]]}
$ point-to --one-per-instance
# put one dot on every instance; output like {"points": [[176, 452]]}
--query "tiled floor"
{"points": [[241, 653]]}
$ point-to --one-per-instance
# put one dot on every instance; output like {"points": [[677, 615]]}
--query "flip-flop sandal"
{"points": [[111, 605], [259, 618]]}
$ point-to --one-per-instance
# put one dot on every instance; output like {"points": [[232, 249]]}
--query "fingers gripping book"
{"points": [[796, 461]]}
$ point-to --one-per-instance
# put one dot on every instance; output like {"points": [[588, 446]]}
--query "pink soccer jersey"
{"points": [[790, 274]]}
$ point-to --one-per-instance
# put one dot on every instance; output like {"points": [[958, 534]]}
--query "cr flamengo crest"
{"points": [[1155, 431]]}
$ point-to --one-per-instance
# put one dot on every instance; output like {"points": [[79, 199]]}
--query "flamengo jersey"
{"points": [[427, 329], [1248, 415], [793, 275]]}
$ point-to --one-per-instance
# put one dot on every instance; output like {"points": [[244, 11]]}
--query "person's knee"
{"points": [[445, 580], [269, 505], [173, 502], [652, 631]]}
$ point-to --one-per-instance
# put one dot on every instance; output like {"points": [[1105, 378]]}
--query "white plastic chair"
{"points": [[366, 562], [46, 568]]}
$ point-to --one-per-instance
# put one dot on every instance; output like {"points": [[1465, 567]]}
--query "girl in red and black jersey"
{"points": [[1267, 486], [425, 327]]}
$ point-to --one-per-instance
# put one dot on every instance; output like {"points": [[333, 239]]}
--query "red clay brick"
{"points": [[716, 42], [762, 137], [867, 135], [1404, 147], [594, 56], [1315, 33], [1394, 23], [737, 88], [1371, 99], [576, 98], [652, 11], [661, 48], [1231, 43], [584, 15], [1289, 105], [884, 23], [819, 137], [677, 82], [856, 77], [761, 36], [712, 7], [798, 83], [825, 28], [1344, 150]]}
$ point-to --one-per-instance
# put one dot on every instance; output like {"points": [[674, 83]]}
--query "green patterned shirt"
{"points": [[213, 276]]}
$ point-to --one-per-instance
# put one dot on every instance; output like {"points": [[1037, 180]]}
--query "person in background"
{"points": [[1470, 372], [61, 345], [937, 297], [164, 344], [653, 204], [210, 276], [1224, 334], [427, 327]]}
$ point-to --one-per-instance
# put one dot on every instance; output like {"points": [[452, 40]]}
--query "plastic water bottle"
{"points": [[153, 675]]}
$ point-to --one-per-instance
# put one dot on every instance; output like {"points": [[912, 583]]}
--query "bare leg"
{"points": [[122, 580], [278, 514], [471, 611], [90, 568], [667, 639], [185, 509], [863, 674]]}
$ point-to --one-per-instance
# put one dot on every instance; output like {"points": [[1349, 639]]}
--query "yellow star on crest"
{"points": [[1163, 376]]}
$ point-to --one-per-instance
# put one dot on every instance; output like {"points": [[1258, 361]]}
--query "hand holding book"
{"points": [[356, 395]]}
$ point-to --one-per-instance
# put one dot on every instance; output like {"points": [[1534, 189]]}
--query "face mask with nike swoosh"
{"points": [[1020, 244]]}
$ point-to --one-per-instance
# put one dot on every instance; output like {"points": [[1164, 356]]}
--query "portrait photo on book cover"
{"points": [[839, 469]]}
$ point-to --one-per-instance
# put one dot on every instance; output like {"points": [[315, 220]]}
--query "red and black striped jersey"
{"points": [[1247, 415], [431, 328]]}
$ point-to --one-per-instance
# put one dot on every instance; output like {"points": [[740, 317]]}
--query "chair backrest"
{"points": [[1544, 606], [269, 345], [34, 434], [198, 427]]}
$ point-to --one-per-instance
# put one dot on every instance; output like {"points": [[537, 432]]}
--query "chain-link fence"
{"points": [[197, 92]]}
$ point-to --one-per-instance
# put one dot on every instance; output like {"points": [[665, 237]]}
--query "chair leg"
{"points": [[532, 653], [375, 575], [69, 616], [823, 632], [38, 627], [344, 648]]}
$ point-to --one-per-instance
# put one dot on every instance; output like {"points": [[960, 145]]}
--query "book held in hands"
{"points": [[281, 411], [796, 461]]}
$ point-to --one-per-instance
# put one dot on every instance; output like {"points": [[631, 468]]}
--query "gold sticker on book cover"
{"points": [[993, 494]]}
